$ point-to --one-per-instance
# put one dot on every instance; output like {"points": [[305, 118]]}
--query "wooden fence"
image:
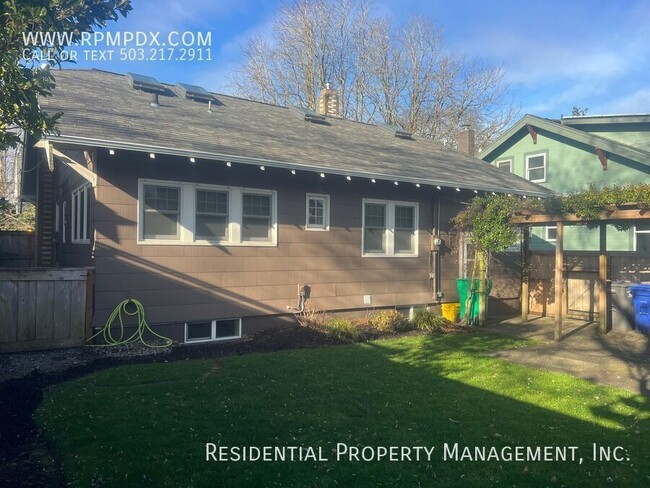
{"points": [[581, 286], [44, 308], [16, 249]]}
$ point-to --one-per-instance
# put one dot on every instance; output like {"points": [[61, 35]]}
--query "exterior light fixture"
{"points": [[457, 189], [395, 183], [493, 193], [418, 185], [373, 180], [348, 178], [152, 155], [293, 171], [192, 160], [322, 175], [262, 168], [438, 187], [228, 163], [475, 191], [111, 152], [525, 196]]}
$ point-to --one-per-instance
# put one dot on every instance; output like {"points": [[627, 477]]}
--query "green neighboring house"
{"points": [[567, 155]]}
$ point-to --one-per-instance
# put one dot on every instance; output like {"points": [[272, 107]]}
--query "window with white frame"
{"points": [[195, 213], [551, 233], [80, 218], [505, 164], [389, 228], [161, 211], [318, 212], [536, 167], [212, 330], [642, 237], [211, 215], [64, 222]]}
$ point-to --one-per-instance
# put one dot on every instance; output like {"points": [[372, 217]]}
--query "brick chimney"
{"points": [[328, 101], [465, 140]]}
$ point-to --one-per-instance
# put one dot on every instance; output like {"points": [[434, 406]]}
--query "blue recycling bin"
{"points": [[641, 299]]}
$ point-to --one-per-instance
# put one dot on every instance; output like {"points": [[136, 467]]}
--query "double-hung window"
{"points": [[193, 213], [80, 218], [211, 215], [389, 228], [161, 212], [318, 212], [536, 167]]}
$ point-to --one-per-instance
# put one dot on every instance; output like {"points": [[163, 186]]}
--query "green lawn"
{"points": [[147, 425]]}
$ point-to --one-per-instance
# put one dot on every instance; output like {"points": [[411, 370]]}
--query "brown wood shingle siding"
{"points": [[178, 283]]}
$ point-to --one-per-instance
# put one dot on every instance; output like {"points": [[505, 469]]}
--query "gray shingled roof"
{"points": [[101, 109]]}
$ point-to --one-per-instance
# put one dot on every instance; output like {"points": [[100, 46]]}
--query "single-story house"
{"points": [[213, 210]]}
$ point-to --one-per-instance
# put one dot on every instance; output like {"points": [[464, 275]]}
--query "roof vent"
{"points": [[145, 83], [396, 131], [193, 92], [308, 115]]}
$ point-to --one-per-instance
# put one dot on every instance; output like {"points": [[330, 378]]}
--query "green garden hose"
{"points": [[138, 335]]}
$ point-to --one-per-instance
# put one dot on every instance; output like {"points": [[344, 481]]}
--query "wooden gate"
{"points": [[44, 308]]}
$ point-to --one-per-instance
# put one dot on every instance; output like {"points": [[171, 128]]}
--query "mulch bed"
{"points": [[26, 459]]}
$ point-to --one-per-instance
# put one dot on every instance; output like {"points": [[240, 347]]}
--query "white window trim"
{"points": [[63, 222], [637, 232], [85, 188], [326, 212], [509, 161], [390, 228], [528, 157], [550, 239], [187, 200], [213, 334]]}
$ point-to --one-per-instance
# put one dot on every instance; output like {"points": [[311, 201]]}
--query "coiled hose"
{"points": [[138, 335]]}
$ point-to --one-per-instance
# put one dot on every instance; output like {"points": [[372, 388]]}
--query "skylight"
{"points": [[145, 83], [308, 114], [193, 92]]}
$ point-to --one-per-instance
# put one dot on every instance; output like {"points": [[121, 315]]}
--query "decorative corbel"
{"points": [[602, 157], [531, 131]]}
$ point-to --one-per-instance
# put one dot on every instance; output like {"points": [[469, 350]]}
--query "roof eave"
{"points": [[130, 146]]}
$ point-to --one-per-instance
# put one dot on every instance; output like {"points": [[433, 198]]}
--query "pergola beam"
{"points": [[626, 214]]}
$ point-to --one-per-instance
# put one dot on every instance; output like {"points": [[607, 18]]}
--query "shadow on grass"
{"points": [[417, 391]]}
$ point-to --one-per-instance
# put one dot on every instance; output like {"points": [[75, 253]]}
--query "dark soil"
{"points": [[26, 459]]}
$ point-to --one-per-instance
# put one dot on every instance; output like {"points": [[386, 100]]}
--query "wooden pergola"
{"points": [[611, 213]]}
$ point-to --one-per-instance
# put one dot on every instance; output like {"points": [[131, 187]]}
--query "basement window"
{"points": [[318, 212], [642, 237], [80, 219], [213, 330], [389, 229], [536, 168]]}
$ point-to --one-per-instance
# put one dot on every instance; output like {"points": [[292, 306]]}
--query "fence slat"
{"points": [[42, 308]]}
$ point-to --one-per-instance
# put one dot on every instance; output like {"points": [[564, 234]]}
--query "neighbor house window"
{"points": [[536, 167], [642, 237], [389, 228], [161, 212], [213, 330], [551, 233], [211, 215], [318, 212], [192, 213], [80, 219], [505, 164]]}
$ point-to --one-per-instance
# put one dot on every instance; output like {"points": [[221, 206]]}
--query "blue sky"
{"points": [[555, 54]]}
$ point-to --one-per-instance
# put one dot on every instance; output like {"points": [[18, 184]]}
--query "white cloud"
{"points": [[637, 102]]}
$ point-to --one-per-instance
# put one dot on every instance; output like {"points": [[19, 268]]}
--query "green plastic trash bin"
{"points": [[464, 285]]}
